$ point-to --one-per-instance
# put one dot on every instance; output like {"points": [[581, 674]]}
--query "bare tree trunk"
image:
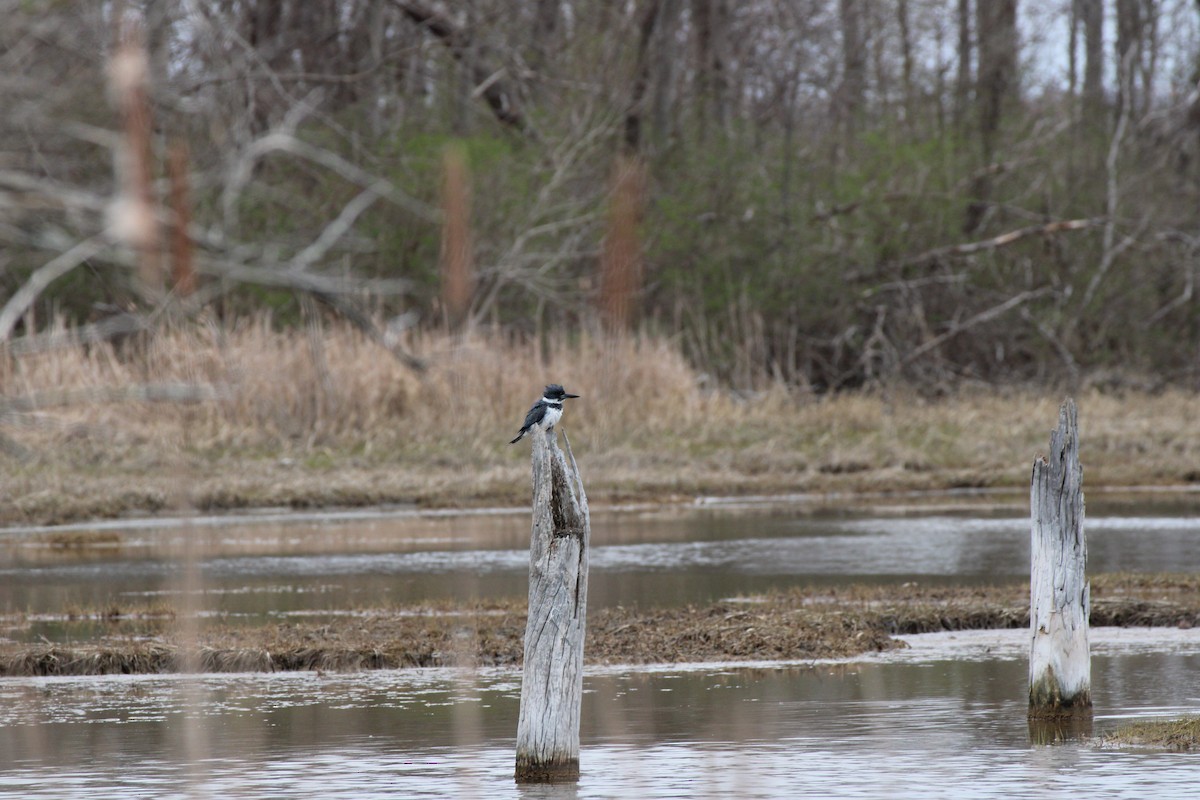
{"points": [[544, 29], [854, 62], [1072, 46], [662, 68], [711, 20], [962, 79], [1151, 12], [262, 28], [552, 686], [635, 113], [996, 26], [1129, 43], [1092, 12], [996, 88], [1060, 667], [906, 53]]}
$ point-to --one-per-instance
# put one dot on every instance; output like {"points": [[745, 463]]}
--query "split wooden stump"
{"points": [[552, 685], [1060, 666]]}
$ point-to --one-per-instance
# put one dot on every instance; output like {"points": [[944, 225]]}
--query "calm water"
{"points": [[650, 558], [945, 718], [916, 725]]}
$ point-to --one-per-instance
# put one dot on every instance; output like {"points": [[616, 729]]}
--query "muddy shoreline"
{"points": [[795, 625]]}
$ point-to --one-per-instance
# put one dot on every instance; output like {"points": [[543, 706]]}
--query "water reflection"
{"points": [[921, 729], [1057, 731], [639, 558]]}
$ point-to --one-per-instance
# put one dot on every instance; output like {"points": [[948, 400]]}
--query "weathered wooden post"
{"points": [[1060, 666], [552, 686]]}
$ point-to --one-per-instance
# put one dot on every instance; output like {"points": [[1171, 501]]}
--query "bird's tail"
{"points": [[520, 436]]}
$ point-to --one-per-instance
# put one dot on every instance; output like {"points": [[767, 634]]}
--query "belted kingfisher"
{"points": [[545, 412]]}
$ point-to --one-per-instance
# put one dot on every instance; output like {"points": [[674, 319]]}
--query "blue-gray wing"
{"points": [[532, 418]]}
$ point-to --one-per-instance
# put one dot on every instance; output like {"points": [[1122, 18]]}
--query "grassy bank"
{"points": [[196, 419], [798, 624]]}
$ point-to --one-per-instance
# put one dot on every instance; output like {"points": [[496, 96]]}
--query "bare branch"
{"points": [[43, 276], [277, 275], [285, 142], [1112, 197], [336, 229], [978, 319], [499, 97], [970, 248], [1054, 340], [66, 196]]}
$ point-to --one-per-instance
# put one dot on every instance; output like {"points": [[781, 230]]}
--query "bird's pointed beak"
{"points": [[571, 395]]}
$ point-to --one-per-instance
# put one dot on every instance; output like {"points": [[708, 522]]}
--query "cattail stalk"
{"points": [[134, 217], [621, 260]]}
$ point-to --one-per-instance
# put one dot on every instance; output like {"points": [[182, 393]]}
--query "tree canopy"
{"points": [[827, 194]]}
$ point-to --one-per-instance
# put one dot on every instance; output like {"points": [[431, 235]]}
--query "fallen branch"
{"points": [[141, 393], [970, 248], [981, 317], [350, 311], [111, 328], [333, 292], [43, 276]]}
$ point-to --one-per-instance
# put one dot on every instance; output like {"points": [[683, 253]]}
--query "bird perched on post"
{"points": [[545, 412]]}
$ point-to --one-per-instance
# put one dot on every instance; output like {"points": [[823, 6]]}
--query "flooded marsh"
{"points": [[946, 711], [642, 557]]}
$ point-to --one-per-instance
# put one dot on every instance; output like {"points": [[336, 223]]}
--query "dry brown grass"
{"points": [[349, 425]]}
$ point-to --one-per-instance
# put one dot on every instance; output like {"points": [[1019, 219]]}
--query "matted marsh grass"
{"points": [[1169, 734], [331, 419], [793, 625]]}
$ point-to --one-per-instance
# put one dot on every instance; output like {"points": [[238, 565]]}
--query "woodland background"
{"points": [[815, 194]]}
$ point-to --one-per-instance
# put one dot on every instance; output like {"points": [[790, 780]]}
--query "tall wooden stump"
{"points": [[1060, 666], [552, 686]]}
